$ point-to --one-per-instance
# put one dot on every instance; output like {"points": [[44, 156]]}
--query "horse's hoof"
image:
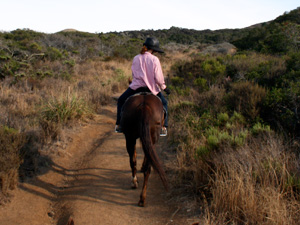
{"points": [[134, 183], [141, 204]]}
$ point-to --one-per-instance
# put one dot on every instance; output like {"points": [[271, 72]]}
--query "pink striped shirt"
{"points": [[147, 72]]}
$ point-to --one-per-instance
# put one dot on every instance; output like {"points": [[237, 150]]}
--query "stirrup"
{"points": [[118, 129], [163, 132]]}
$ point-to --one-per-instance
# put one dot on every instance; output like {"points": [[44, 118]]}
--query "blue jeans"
{"points": [[129, 92]]}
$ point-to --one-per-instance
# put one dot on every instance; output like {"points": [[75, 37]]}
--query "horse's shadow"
{"points": [[91, 184], [83, 185]]}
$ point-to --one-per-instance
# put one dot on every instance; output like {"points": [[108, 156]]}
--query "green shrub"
{"points": [[293, 62], [222, 118], [10, 68], [35, 47], [268, 72], [70, 63], [181, 91], [177, 81], [187, 71], [212, 141], [237, 118], [281, 108], [4, 55], [240, 139], [202, 151], [43, 74], [53, 53], [201, 84], [60, 112], [212, 69], [260, 128], [65, 110]]}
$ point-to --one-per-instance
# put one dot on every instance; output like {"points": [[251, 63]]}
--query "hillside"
{"points": [[124, 44]]}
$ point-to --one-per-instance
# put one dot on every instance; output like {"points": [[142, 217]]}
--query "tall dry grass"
{"points": [[11, 142], [258, 184], [92, 81], [255, 183]]}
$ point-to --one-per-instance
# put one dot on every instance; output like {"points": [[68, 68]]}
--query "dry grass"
{"points": [[101, 79], [253, 185], [257, 183], [93, 81], [245, 63], [43, 106]]}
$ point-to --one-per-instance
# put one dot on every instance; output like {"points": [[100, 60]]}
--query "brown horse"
{"points": [[143, 117]]}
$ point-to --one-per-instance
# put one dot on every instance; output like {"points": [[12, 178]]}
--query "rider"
{"points": [[147, 75]]}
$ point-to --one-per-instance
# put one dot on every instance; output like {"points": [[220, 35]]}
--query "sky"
{"points": [[95, 16]]}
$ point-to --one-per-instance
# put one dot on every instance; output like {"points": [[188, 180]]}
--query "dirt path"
{"points": [[90, 181]]}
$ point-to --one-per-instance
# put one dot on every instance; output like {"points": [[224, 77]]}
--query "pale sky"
{"points": [[95, 16]]}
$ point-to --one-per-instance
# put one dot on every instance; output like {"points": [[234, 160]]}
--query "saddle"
{"points": [[146, 91]]}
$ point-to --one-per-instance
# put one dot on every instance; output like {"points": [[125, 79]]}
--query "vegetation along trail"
{"points": [[91, 184]]}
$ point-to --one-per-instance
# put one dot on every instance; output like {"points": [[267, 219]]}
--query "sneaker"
{"points": [[118, 129], [163, 132]]}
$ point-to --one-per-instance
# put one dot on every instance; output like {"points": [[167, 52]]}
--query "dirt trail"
{"points": [[90, 181]]}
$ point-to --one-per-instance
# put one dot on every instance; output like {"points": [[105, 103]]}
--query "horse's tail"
{"points": [[148, 147]]}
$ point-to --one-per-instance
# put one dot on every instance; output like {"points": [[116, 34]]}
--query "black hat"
{"points": [[153, 43]]}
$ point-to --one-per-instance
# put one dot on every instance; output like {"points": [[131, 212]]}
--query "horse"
{"points": [[143, 117]]}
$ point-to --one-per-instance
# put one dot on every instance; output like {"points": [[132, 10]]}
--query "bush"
{"points": [[11, 141], [10, 68], [64, 110], [212, 100], [260, 128], [222, 118], [246, 98], [293, 62], [201, 84], [212, 69], [281, 108], [60, 112], [177, 81], [53, 53]]}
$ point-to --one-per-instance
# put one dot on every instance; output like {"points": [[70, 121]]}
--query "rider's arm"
{"points": [[159, 77]]}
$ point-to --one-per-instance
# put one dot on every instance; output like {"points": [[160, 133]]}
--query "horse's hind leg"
{"points": [[147, 171], [130, 145], [144, 166]]}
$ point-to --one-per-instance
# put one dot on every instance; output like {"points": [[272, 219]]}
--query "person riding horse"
{"points": [[147, 76]]}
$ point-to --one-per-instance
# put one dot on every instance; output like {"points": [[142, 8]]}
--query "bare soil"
{"points": [[89, 180]]}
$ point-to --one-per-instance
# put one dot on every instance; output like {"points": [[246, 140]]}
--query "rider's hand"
{"points": [[167, 90]]}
